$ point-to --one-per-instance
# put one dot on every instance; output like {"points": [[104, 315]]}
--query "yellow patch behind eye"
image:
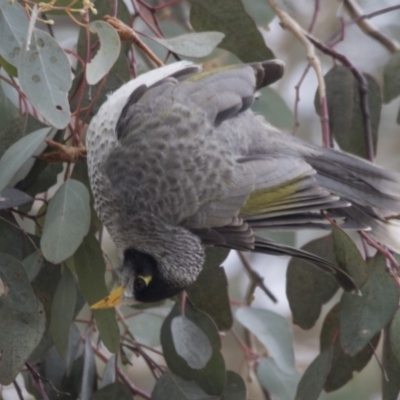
{"points": [[147, 278], [111, 301]]}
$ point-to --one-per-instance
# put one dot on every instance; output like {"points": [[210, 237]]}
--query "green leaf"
{"points": [[279, 384], [10, 197], [19, 153], [242, 37], [109, 374], [210, 291], [190, 342], [197, 44], [212, 377], [348, 256], [308, 288], [13, 30], [391, 78], [107, 54], [114, 391], [346, 119], [45, 77], [90, 268], [394, 333], [260, 11], [16, 128], [273, 332], [23, 316], [14, 241], [275, 110], [235, 388], [33, 263], [146, 328], [391, 366], [343, 365], [62, 311], [362, 317], [67, 221], [89, 376], [171, 386], [313, 380], [8, 112]]}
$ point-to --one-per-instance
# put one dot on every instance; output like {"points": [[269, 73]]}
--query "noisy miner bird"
{"points": [[178, 161]]}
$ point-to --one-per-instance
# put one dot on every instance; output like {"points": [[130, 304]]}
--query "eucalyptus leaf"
{"points": [[13, 30], [113, 391], [33, 263], [107, 54], [22, 315], [394, 333], [391, 78], [190, 342], [19, 153], [308, 288], [89, 376], [197, 44], [10, 197], [109, 374], [343, 365], [273, 332], [313, 380], [346, 118], [90, 268], [242, 37], [279, 384], [210, 291], [45, 77], [62, 312], [362, 317], [391, 366], [212, 377], [67, 221]]}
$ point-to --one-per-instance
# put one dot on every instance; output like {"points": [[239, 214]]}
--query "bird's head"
{"points": [[157, 268]]}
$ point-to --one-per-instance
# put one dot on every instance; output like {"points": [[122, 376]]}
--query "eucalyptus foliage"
{"points": [[53, 261]]}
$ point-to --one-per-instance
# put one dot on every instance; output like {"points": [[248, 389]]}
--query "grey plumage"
{"points": [[178, 160]]}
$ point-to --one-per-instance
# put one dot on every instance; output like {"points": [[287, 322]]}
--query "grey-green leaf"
{"points": [[313, 380], [190, 342], [273, 332], [279, 384], [197, 44], [22, 318], [362, 317], [308, 288], [45, 77], [346, 118], [90, 268], [114, 391], [394, 333], [10, 197], [348, 256], [19, 153], [89, 376], [13, 30], [107, 54], [67, 221], [62, 311], [391, 78], [242, 36]]}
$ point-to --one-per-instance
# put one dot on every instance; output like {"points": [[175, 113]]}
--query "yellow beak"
{"points": [[111, 301]]}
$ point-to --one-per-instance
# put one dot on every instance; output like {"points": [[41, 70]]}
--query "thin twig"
{"points": [[256, 277], [37, 380], [126, 33], [314, 17], [289, 23], [18, 390], [368, 28], [297, 99]]}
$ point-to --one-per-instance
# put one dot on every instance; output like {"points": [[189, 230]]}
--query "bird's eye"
{"points": [[140, 284]]}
